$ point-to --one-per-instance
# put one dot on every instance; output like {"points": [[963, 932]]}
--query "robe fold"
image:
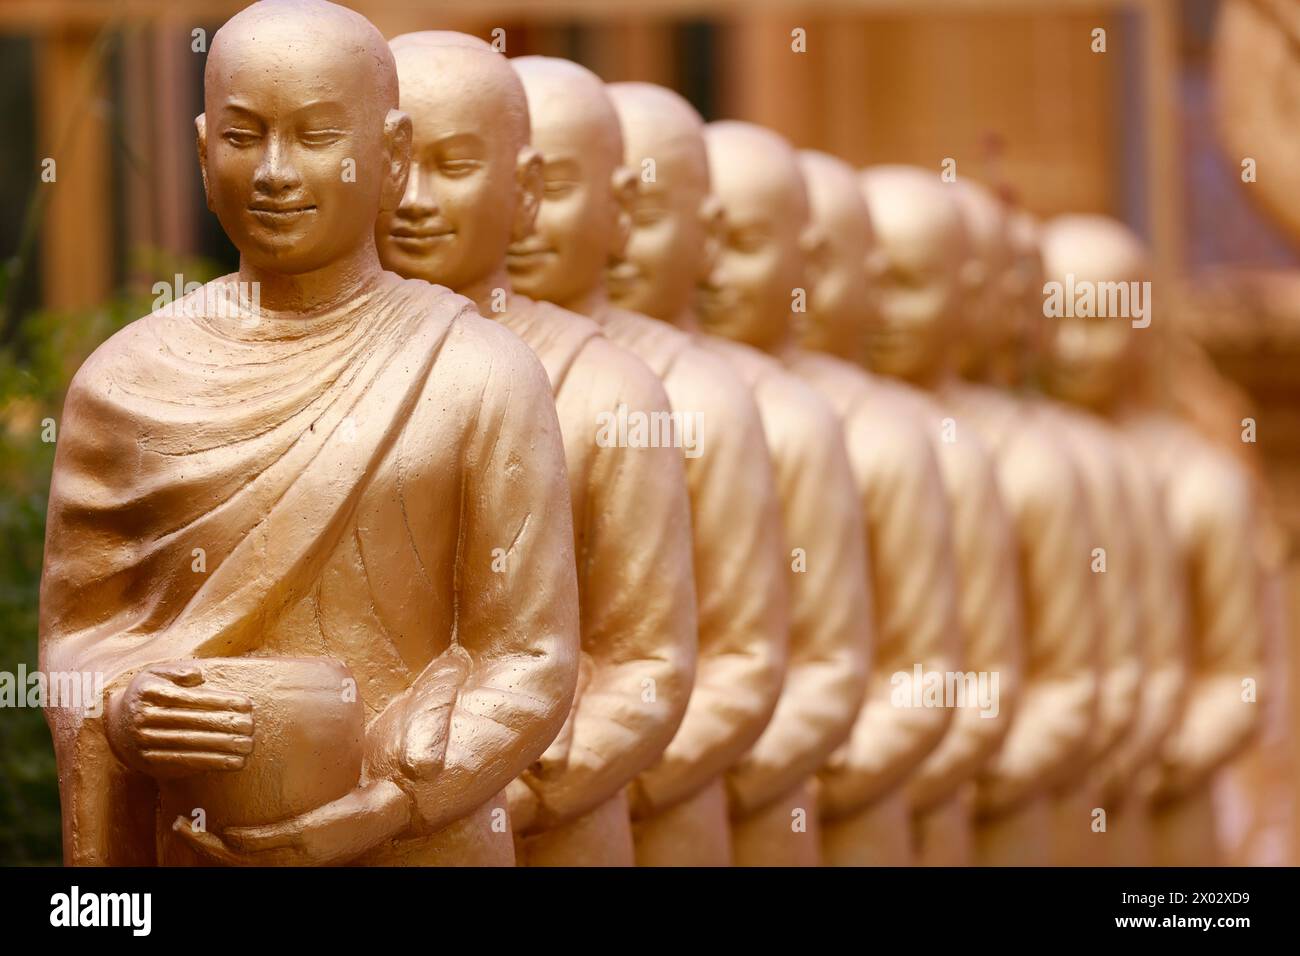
{"points": [[231, 483]]}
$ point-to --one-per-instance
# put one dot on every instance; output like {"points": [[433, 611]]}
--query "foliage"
{"points": [[35, 369]]}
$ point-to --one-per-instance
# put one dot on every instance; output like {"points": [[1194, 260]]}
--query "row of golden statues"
{"points": [[369, 584]]}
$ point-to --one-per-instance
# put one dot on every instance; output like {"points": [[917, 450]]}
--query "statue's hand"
{"points": [[524, 806], [334, 833], [166, 724]]}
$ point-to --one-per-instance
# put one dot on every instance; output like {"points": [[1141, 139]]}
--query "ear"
{"points": [[530, 185], [815, 245], [201, 142], [714, 221], [397, 146], [623, 183]]}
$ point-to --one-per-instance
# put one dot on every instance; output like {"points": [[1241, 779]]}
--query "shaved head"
{"points": [[749, 162], [295, 91], [659, 124], [568, 101], [581, 223], [301, 33], [756, 177], [922, 246], [673, 215], [468, 193], [438, 67], [839, 300], [1091, 360], [1096, 248]]}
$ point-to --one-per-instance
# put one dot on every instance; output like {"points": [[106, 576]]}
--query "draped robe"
{"points": [[741, 574], [830, 615], [381, 484], [632, 528]]}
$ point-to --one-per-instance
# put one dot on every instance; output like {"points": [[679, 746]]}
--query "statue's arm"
{"points": [[1162, 626], [1212, 516], [490, 705], [1048, 740], [740, 580], [906, 511], [830, 606], [990, 626], [637, 593]]}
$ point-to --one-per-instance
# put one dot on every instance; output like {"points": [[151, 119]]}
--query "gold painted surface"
{"points": [[925, 246], [241, 491], [1210, 512], [746, 301], [944, 594], [474, 189], [677, 804]]}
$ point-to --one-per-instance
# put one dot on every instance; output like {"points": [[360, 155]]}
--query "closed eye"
{"points": [[322, 137], [458, 167], [240, 138]]}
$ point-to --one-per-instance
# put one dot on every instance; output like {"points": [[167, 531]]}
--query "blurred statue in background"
{"points": [[990, 359], [475, 187], [922, 283], [679, 804], [746, 301], [1107, 365], [943, 570], [308, 657]]}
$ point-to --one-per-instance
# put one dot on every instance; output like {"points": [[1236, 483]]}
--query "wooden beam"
{"points": [[76, 251]]}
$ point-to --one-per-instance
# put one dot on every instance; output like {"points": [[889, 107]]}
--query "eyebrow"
{"points": [[457, 139], [243, 110], [563, 167]]}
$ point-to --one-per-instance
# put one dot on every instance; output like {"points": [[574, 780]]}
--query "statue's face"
{"points": [[990, 329], [665, 256], [840, 294], [577, 227], [454, 222], [1086, 360], [294, 147], [1089, 360], [921, 248], [749, 295]]}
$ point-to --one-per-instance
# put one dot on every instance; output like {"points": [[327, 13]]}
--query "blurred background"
{"points": [[1153, 129]]}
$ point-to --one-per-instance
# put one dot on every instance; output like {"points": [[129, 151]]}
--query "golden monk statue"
{"points": [[925, 248], [943, 568], [475, 187], [990, 357], [746, 302], [1144, 650], [679, 804], [1105, 364], [308, 657]]}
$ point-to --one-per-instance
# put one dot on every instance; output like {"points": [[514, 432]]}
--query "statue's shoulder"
{"points": [[481, 350], [127, 353]]}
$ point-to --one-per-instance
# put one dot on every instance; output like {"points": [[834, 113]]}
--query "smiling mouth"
{"points": [[527, 257], [279, 215], [413, 239], [623, 273], [717, 300]]}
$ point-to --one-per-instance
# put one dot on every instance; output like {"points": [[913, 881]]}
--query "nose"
{"points": [[276, 173], [419, 201]]}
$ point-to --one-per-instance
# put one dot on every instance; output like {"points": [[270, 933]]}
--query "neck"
{"points": [[686, 320], [774, 339], [326, 287], [591, 303], [932, 375], [819, 338], [491, 293]]}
